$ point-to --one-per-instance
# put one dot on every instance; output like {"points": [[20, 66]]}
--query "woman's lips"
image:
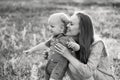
{"points": [[68, 30]]}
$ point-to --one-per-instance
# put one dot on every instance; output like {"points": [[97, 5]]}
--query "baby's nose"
{"points": [[49, 28]]}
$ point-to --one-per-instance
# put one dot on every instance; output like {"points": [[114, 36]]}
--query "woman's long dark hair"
{"points": [[86, 37]]}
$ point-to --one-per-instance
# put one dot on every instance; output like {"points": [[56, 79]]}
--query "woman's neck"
{"points": [[76, 38]]}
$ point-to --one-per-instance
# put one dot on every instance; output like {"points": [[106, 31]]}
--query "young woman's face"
{"points": [[73, 26]]}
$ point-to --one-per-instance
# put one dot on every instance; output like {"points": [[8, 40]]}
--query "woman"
{"points": [[91, 61]]}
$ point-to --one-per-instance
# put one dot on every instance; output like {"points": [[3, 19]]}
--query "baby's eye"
{"points": [[52, 26]]}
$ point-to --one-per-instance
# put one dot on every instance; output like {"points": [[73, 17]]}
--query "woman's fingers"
{"points": [[58, 50], [59, 45]]}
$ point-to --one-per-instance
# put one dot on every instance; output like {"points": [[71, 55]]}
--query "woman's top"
{"points": [[97, 67]]}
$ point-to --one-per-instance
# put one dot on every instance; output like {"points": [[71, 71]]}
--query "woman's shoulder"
{"points": [[98, 46], [97, 41]]}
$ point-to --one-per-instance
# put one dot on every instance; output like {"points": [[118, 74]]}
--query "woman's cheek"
{"points": [[68, 33]]}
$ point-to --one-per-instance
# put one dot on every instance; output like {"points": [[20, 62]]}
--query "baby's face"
{"points": [[56, 27]]}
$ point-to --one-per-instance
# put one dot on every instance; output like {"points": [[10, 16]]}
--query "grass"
{"points": [[24, 24]]}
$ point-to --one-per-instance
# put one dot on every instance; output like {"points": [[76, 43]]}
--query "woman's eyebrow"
{"points": [[51, 25], [70, 21]]}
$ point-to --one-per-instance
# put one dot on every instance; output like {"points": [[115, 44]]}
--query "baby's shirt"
{"points": [[61, 38]]}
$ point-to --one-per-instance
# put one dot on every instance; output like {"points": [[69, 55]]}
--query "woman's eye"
{"points": [[71, 23]]}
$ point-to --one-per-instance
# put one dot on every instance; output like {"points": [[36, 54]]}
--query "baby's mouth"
{"points": [[51, 31]]}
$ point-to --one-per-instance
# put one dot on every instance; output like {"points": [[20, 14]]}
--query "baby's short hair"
{"points": [[58, 17]]}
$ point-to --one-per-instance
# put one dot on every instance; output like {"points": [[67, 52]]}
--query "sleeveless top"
{"points": [[97, 67]]}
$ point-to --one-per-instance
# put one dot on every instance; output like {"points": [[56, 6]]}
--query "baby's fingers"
{"points": [[69, 44], [24, 51]]}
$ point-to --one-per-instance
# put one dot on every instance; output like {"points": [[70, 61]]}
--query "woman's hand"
{"points": [[62, 50]]}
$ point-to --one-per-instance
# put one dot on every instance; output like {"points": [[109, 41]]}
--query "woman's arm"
{"points": [[83, 70]]}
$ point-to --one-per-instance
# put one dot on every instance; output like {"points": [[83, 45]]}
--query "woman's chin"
{"points": [[69, 34]]}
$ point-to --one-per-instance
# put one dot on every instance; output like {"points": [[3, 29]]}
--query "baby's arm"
{"points": [[73, 45], [41, 46]]}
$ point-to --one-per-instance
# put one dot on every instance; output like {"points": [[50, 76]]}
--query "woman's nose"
{"points": [[68, 25]]}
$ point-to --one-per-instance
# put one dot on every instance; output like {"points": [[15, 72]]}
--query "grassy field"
{"points": [[23, 24]]}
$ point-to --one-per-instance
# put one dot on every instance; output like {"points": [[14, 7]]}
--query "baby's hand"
{"points": [[73, 45], [46, 54], [27, 51]]}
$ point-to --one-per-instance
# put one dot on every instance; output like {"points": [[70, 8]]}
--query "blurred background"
{"points": [[23, 24]]}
